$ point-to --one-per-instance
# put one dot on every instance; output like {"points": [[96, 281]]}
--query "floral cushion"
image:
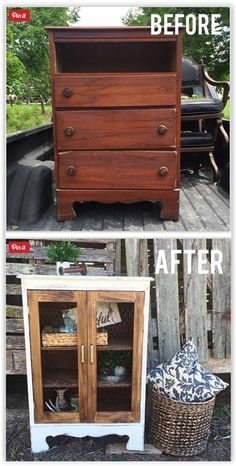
{"points": [[183, 378]]}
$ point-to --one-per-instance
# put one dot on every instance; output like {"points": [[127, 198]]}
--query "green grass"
{"points": [[22, 116], [227, 111]]}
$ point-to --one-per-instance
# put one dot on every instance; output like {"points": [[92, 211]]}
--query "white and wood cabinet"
{"points": [[73, 386]]}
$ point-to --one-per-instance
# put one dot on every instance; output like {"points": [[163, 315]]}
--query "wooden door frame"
{"points": [[137, 297], [34, 298]]}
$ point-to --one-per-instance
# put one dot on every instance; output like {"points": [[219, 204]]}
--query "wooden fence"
{"points": [[182, 305], [101, 257]]}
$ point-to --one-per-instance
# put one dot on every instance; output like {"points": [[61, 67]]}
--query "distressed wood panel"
{"points": [[152, 353], [14, 311], [15, 342], [28, 269], [13, 289], [132, 256], [220, 366], [87, 254], [221, 302], [136, 251], [167, 297], [15, 362], [14, 326], [195, 300]]}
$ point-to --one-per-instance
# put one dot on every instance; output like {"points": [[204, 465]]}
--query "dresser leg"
{"points": [[136, 441], [38, 441], [170, 210], [65, 210]]}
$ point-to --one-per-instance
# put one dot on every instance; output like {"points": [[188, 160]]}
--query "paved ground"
{"points": [[64, 448]]}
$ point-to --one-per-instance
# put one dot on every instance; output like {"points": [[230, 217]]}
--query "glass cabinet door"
{"points": [[115, 355], [58, 343]]}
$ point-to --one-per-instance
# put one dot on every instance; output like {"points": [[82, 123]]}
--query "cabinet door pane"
{"points": [[117, 327], [55, 344]]}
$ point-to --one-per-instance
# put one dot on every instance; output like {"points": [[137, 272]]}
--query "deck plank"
{"points": [[94, 221], [133, 219], [204, 206], [189, 215], [207, 215], [113, 217], [151, 217]]}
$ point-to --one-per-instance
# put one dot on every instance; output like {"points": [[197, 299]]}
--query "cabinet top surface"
{"points": [[102, 28], [67, 32], [92, 282]]}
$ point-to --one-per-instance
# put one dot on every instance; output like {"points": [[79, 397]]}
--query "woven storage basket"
{"points": [[69, 339], [180, 429]]}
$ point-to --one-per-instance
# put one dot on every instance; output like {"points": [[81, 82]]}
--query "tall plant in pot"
{"points": [[63, 254]]}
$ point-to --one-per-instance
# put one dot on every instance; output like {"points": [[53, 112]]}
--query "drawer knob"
{"points": [[71, 171], [67, 92], [163, 171], [162, 129], [68, 131]]}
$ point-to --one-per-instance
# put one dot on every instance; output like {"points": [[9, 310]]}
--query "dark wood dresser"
{"points": [[116, 114]]}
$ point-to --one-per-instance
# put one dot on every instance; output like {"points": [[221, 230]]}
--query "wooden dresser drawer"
{"points": [[116, 129], [117, 169], [126, 90]]}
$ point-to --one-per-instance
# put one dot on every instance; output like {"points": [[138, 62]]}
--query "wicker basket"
{"points": [[69, 339], [180, 429]]}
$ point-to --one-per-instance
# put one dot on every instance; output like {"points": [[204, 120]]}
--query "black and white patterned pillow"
{"points": [[183, 378]]}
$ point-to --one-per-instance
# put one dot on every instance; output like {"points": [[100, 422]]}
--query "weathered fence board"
{"points": [[137, 264], [15, 342], [87, 254], [195, 301], [15, 362], [13, 289], [15, 326], [167, 300], [132, 257], [221, 303], [102, 257], [14, 311]]}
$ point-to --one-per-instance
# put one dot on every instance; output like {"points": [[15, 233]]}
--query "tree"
{"points": [[16, 72], [27, 50], [213, 49]]}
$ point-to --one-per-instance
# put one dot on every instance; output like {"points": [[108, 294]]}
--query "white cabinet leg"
{"points": [[136, 441], [38, 441]]}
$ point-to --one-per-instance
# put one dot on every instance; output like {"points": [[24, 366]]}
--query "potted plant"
{"points": [[63, 254], [115, 363]]}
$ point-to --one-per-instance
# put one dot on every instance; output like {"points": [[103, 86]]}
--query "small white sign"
{"points": [[107, 314]]}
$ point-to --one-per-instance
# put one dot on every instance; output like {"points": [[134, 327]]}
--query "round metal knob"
{"points": [[163, 171], [67, 92], [71, 171], [162, 129], [68, 131]]}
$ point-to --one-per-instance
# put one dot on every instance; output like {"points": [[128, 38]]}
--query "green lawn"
{"points": [[227, 111], [22, 116]]}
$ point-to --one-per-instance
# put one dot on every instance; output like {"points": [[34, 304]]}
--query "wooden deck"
{"points": [[204, 206]]}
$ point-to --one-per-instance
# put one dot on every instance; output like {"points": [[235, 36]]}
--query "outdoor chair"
{"points": [[202, 111]]}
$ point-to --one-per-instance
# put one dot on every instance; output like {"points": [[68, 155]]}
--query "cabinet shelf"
{"points": [[127, 383], [121, 346], [59, 348], [60, 379]]}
